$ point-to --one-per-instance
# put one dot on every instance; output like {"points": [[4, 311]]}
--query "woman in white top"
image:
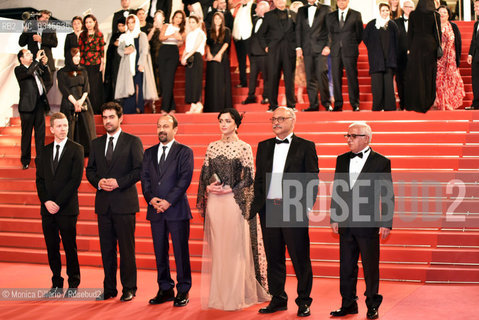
{"points": [[193, 60], [172, 36]]}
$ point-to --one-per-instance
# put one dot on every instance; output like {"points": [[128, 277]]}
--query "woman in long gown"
{"points": [[74, 86], [218, 75], [423, 42], [450, 87], [234, 264], [71, 40]]}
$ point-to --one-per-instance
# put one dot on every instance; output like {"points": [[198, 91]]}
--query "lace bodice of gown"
{"points": [[233, 162]]}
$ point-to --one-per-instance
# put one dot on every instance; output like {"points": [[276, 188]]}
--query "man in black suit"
{"points": [[257, 56], [123, 13], [165, 177], [278, 38], [155, 5], [114, 167], [32, 76], [345, 29], [362, 207], [242, 30], [59, 174], [473, 60], [313, 44], [279, 161], [223, 8], [403, 25], [38, 35]]}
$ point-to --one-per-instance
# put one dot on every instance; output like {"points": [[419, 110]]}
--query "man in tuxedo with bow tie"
{"points": [[281, 161], [345, 28], [313, 44], [403, 26], [58, 177], [123, 13], [31, 76], [114, 167], [165, 177], [362, 207]]}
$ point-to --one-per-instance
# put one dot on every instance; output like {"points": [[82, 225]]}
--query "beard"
{"points": [[163, 137]]}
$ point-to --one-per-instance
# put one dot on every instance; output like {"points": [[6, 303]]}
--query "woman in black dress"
{"points": [[74, 86], [218, 76], [423, 41], [71, 40], [381, 39]]}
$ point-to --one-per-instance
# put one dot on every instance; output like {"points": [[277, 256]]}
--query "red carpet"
{"points": [[401, 300]]}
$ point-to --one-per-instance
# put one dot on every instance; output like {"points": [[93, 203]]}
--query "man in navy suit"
{"points": [[362, 207], [165, 176]]}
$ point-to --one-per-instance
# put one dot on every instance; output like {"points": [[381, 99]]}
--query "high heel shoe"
{"points": [[199, 108], [192, 108]]}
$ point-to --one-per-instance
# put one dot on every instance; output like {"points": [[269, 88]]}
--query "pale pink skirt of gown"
{"points": [[228, 279]]}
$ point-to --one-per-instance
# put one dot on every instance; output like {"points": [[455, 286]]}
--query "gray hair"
{"points": [[289, 110], [403, 2], [365, 126]]}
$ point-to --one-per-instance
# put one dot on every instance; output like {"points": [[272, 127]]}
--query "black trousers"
{"points": [[350, 64], [296, 239], [242, 49], [317, 80], [65, 225], [29, 121], [282, 58], [401, 85], [257, 65], [168, 59], [350, 246], [96, 87], [118, 229], [475, 82], [180, 233], [194, 79], [382, 87]]}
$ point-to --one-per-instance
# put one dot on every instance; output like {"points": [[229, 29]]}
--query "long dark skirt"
{"points": [[194, 79]]}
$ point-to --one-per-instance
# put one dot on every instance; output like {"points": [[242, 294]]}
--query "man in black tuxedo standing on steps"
{"points": [[345, 28], [473, 60], [32, 74], [114, 168], [362, 207], [58, 177], [313, 44]]}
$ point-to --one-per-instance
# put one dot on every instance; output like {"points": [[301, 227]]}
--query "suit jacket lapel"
{"points": [[50, 157], [169, 159], [270, 156], [118, 146], [291, 152], [155, 158]]}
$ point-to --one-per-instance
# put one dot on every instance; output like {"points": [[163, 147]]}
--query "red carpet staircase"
{"points": [[435, 160]]}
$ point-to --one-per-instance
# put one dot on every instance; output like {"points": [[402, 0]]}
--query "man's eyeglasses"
{"points": [[279, 119], [353, 136]]}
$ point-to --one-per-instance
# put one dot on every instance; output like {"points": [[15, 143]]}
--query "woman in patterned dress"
{"points": [[234, 264], [449, 84]]}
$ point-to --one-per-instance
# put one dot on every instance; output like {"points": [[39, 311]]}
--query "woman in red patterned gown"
{"points": [[449, 84]]}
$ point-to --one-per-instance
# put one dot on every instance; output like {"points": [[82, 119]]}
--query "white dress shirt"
{"points": [[115, 140], [62, 146], [356, 165], [243, 24], [311, 13], [168, 148], [279, 160], [345, 13]]}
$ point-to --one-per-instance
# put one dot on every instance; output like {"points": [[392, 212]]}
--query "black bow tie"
{"points": [[405, 20], [277, 141], [244, 5], [354, 155]]}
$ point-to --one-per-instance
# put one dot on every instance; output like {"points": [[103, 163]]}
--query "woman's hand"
{"points": [[129, 50], [218, 188], [141, 68], [218, 57]]}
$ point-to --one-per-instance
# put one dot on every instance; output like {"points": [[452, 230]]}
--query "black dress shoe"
{"points": [[25, 166], [335, 109], [272, 108], [352, 309], [249, 100], [127, 296], [163, 296], [240, 86], [372, 313], [265, 101], [311, 109], [54, 292], [355, 108], [274, 307], [303, 311], [328, 108], [105, 296], [181, 299], [70, 293]]}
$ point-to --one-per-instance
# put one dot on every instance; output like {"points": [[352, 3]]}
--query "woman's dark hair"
{"points": [[183, 22], [221, 32], [234, 114], [384, 4], [84, 34], [74, 51], [448, 11], [77, 18]]}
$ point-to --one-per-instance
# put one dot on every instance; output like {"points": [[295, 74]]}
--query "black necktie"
{"points": [[341, 21], [354, 155], [109, 151], [277, 141], [244, 5], [57, 155], [162, 158]]}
